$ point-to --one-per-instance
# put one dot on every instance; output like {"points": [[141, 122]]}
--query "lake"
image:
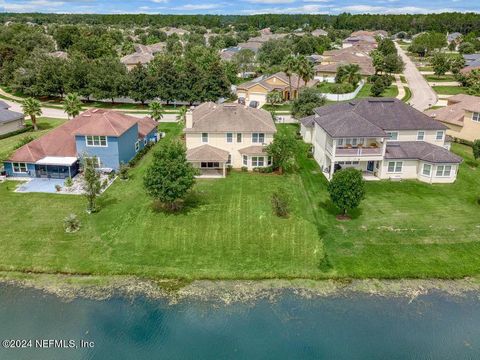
{"points": [[434, 326]]}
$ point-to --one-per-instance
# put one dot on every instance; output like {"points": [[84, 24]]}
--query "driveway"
{"points": [[423, 96]]}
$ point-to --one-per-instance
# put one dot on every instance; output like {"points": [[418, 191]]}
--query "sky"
{"points": [[244, 7]]}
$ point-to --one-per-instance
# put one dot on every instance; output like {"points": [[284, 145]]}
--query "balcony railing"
{"points": [[359, 151]]}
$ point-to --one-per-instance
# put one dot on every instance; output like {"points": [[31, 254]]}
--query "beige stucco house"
{"points": [[462, 116], [218, 136], [258, 89], [384, 138]]}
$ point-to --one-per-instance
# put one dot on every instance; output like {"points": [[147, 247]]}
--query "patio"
{"points": [[39, 185]]}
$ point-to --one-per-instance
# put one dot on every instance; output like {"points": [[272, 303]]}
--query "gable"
{"points": [[275, 80]]}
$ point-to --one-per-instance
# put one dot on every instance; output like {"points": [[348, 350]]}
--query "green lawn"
{"points": [[450, 90], [440, 78], [408, 94], [7, 145], [391, 91], [279, 107], [402, 229]]}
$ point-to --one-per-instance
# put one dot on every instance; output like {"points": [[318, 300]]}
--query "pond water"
{"points": [[434, 326]]}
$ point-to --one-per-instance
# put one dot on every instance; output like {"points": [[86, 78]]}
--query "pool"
{"points": [[38, 185]]}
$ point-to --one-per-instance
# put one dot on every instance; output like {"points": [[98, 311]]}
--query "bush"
{"points": [[68, 182], [244, 168], [281, 203], [104, 184], [140, 154], [377, 88], [23, 141], [71, 223], [123, 172], [111, 176]]}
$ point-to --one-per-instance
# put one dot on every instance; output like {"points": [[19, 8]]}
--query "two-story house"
{"points": [[384, 138], [111, 137], [461, 115], [227, 135]]}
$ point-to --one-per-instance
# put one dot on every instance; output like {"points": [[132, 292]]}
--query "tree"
{"points": [[108, 79], [304, 70], [427, 42], [440, 63], [307, 101], [32, 108], [456, 63], [283, 149], [466, 48], [169, 177], [182, 114], [245, 60], [72, 105], [274, 98], [91, 183], [393, 64], [141, 84], [476, 149], [347, 189], [386, 47], [348, 73], [281, 202], [289, 66], [378, 87], [156, 110]]}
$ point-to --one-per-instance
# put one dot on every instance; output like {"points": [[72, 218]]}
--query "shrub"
{"points": [[244, 168], [281, 203], [123, 172], [58, 188], [347, 189], [104, 184], [68, 182], [71, 223], [23, 141], [476, 149], [140, 154], [111, 176]]}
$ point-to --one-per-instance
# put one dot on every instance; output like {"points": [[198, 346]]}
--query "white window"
{"points": [[239, 137], [210, 165], [395, 166], [20, 168], [340, 142], [96, 141], [427, 169], [137, 146], [355, 162], [145, 141], [392, 135], [258, 138], [229, 137], [443, 170], [421, 135], [361, 141], [258, 161], [204, 137], [354, 142], [245, 160], [476, 116], [439, 135], [229, 161]]}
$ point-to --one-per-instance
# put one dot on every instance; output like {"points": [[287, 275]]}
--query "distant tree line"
{"points": [[411, 23]]}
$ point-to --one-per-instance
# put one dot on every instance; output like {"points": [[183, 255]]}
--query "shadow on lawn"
{"points": [[192, 201], [334, 211]]}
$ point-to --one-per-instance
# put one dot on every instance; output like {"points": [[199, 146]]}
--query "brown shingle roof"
{"points": [[61, 141], [207, 153], [455, 112], [145, 126], [211, 117], [253, 150], [420, 150]]}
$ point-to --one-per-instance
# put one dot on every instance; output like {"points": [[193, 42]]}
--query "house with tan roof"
{"points": [[111, 137], [221, 135], [333, 59], [258, 89], [461, 115], [143, 54], [384, 138]]}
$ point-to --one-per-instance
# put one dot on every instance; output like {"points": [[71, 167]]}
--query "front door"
{"points": [[370, 166]]}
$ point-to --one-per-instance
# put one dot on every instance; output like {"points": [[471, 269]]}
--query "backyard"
{"points": [[228, 231]]}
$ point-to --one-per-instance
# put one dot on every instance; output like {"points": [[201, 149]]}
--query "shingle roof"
{"points": [[455, 112], [420, 150], [7, 115], [211, 117], [253, 150], [61, 141], [262, 81], [145, 126], [4, 105], [137, 58], [308, 121], [207, 153]]}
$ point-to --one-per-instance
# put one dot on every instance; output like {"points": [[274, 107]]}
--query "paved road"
{"points": [[423, 95]]}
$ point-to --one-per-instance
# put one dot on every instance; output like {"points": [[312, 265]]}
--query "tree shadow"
{"points": [[334, 211], [192, 201], [104, 201]]}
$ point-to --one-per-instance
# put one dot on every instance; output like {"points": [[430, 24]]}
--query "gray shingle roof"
{"points": [[4, 105], [7, 115], [372, 117], [420, 150]]}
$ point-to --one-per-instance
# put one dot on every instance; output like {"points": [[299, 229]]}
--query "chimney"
{"points": [[189, 118]]}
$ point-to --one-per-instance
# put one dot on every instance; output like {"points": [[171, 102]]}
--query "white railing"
{"points": [[360, 151]]}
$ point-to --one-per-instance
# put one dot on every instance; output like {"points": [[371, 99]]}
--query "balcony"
{"points": [[358, 151]]}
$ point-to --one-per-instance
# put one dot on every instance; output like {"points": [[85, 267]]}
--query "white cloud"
{"points": [[305, 9], [190, 7], [270, 1], [391, 10], [160, 1], [34, 5]]}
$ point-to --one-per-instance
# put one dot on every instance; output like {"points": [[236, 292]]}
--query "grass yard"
{"points": [[402, 229], [7, 145], [287, 106], [440, 78], [391, 91], [450, 90]]}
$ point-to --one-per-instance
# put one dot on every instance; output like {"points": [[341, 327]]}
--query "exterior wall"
{"points": [[319, 141], [150, 137], [470, 130], [9, 170], [411, 135], [276, 81], [11, 126], [108, 156], [412, 169], [219, 140], [306, 133], [126, 145]]}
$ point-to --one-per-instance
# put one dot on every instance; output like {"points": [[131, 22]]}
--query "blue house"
{"points": [[111, 137]]}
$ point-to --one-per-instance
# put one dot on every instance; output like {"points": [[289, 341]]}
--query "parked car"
{"points": [[254, 104], [241, 100]]}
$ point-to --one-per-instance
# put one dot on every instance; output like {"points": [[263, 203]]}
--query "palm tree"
{"points": [[156, 110], [304, 68], [274, 98], [289, 66], [182, 113], [72, 105], [349, 73], [308, 73], [33, 108]]}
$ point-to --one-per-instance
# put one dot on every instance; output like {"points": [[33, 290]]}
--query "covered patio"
{"points": [[209, 160], [56, 167]]}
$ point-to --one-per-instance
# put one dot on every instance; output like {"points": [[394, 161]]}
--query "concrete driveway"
{"points": [[423, 95]]}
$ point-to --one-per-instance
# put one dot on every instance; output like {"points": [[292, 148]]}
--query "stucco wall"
{"points": [[411, 135], [470, 130], [11, 126]]}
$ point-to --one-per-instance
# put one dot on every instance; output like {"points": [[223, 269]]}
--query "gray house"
{"points": [[10, 121]]}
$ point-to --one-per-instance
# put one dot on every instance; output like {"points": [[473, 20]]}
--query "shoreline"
{"points": [[69, 288]]}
